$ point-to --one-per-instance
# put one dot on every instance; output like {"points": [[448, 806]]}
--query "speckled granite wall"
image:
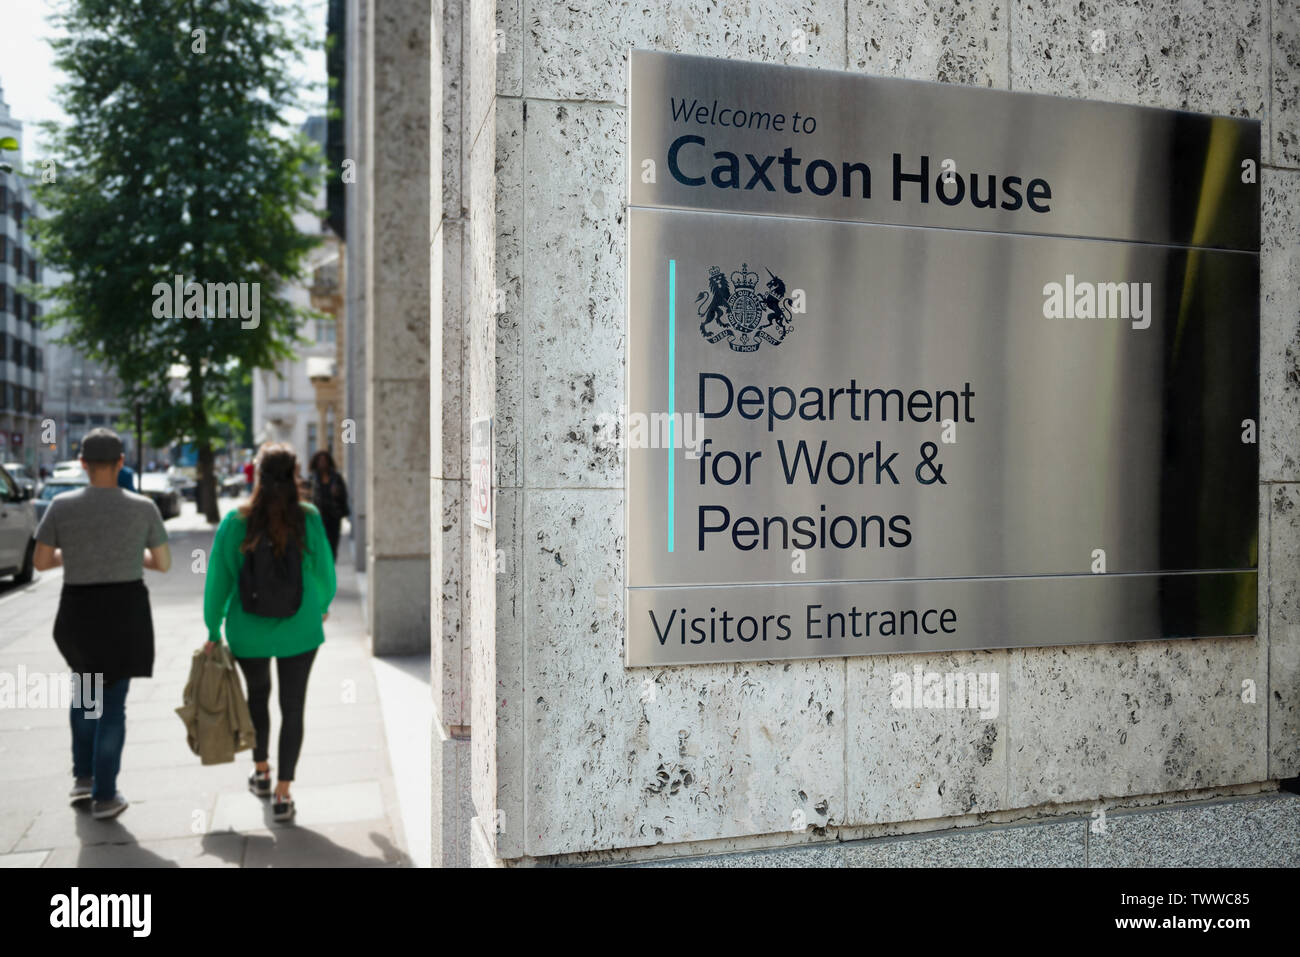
{"points": [[572, 753]]}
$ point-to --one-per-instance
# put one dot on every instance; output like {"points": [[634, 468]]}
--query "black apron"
{"points": [[106, 629]]}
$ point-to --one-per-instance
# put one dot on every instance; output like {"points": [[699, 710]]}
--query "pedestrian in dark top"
{"points": [[104, 537], [126, 478], [329, 493]]}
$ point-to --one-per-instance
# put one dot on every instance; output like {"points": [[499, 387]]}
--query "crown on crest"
{"points": [[744, 279]]}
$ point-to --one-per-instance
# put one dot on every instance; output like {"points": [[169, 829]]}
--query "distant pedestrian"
{"points": [[271, 580], [248, 476], [126, 478], [104, 537], [329, 493]]}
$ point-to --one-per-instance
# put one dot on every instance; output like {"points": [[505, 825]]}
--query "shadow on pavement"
{"points": [[292, 846], [94, 834]]}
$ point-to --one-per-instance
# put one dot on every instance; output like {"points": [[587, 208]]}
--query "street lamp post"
{"points": [[139, 444]]}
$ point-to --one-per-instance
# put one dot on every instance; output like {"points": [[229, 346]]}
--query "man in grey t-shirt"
{"points": [[104, 537], [102, 533]]}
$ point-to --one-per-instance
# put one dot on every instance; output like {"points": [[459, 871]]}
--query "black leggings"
{"points": [[292, 673]]}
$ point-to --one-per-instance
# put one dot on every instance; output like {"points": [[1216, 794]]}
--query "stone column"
{"points": [[397, 327], [354, 274], [491, 299], [447, 444]]}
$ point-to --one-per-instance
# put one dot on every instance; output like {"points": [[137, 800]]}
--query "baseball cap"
{"points": [[101, 445]]}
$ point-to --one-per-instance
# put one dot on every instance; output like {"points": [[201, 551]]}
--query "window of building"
{"points": [[311, 438], [4, 347]]}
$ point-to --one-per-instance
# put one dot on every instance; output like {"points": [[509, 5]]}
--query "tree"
{"points": [[174, 165]]}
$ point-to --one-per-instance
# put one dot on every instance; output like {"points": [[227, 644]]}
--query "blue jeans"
{"points": [[97, 742]]}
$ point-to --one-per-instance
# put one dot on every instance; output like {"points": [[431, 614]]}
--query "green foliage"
{"points": [[174, 163]]}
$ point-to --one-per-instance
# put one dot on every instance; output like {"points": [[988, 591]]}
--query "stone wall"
{"points": [[569, 755]]}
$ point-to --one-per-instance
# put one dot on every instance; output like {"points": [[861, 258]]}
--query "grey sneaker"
{"points": [[81, 789], [102, 810]]}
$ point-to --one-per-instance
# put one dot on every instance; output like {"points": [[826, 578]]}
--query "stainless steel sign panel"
{"points": [[748, 137], [940, 405], [822, 431], [1005, 401], [674, 626]]}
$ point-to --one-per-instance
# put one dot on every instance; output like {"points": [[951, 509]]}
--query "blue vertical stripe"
{"points": [[672, 390]]}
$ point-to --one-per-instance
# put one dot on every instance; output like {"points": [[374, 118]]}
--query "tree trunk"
{"points": [[205, 494]]}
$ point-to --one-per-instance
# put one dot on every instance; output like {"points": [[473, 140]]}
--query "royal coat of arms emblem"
{"points": [[740, 313]]}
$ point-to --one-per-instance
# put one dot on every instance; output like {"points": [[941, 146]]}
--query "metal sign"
{"points": [[481, 472], [863, 424]]}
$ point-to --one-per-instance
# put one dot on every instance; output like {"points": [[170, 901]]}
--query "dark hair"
{"points": [[314, 466], [273, 509]]}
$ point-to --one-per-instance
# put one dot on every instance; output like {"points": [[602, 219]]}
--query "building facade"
{"points": [[506, 121], [81, 394], [22, 346], [299, 401]]}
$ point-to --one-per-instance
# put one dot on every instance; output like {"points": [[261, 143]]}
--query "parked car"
{"points": [[158, 488], [67, 467], [66, 481], [183, 482], [22, 475], [17, 529]]}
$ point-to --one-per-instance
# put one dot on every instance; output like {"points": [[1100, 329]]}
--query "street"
{"points": [[181, 813]]}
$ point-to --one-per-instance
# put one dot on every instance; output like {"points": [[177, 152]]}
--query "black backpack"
{"points": [[271, 586]]}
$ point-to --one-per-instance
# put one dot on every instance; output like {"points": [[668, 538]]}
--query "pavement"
{"points": [[350, 813]]}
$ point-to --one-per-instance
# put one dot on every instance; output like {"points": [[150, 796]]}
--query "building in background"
{"points": [[81, 394], [299, 401], [22, 352]]}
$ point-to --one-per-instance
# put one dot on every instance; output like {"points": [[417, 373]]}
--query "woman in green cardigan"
{"points": [[274, 516]]}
